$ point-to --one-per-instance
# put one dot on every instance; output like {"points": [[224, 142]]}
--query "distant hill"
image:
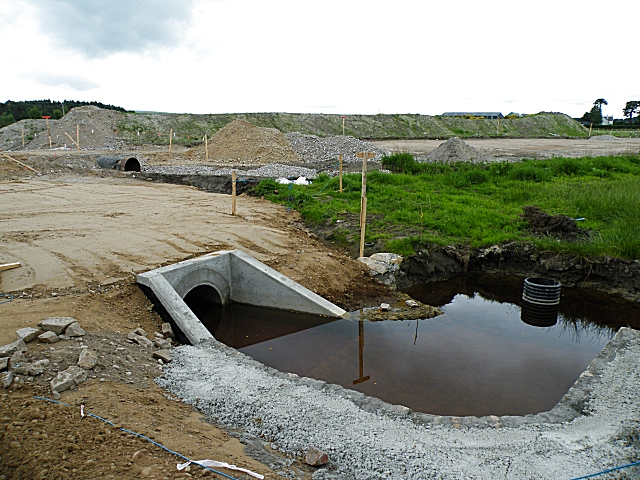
{"points": [[189, 129], [11, 112]]}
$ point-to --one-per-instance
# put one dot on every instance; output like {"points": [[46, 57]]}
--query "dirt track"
{"points": [[518, 148]]}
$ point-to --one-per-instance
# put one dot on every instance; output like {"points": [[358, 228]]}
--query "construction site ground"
{"points": [[81, 234]]}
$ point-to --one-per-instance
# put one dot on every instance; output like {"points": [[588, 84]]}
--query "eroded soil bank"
{"points": [[612, 275]]}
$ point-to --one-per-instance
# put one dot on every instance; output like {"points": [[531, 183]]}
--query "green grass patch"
{"points": [[477, 204]]}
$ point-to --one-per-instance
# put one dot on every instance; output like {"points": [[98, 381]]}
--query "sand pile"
{"points": [[455, 150], [241, 143]]}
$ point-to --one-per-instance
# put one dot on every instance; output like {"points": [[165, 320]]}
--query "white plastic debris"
{"points": [[283, 181], [301, 181], [213, 463]]}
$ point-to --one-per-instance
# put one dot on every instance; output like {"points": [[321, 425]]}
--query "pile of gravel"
{"points": [[273, 170], [455, 150], [314, 149], [603, 137]]}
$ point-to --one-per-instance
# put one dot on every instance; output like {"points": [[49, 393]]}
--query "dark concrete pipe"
{"points": [[124, 164]]}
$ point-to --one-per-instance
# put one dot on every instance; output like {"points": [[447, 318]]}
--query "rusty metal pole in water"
{"points": [[233, 192], [361, 377]]}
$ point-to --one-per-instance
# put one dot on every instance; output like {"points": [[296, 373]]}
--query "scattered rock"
{"points": [[28, 334], [163, 355], [140, 340], [382, 263], [7, 379], [162, 344], [16, 359], [316, 457], [56, 325], [10, 349], [385, 307], [74, 330], [4, 363], [167, 331], [48, 337], [68, 378], [31, 369], [88, 359], [140, 331], [411, 303]]}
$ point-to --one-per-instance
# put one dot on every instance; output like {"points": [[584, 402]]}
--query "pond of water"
{"points": [[478, 358]]}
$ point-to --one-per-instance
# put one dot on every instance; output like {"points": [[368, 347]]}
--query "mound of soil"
{"points": [[455, 150], [315, 149], [556, 225], [241, 143], [97, 128]]}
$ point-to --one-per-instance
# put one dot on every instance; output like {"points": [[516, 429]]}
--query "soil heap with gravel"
{"points": [[97, 128], [455, 150], [241, 143], [314, 149]]}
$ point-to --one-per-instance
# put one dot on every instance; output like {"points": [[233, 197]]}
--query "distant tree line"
{"points": [[594, 116], [11, 112]]}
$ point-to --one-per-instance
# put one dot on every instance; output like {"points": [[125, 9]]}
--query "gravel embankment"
{"points": [[368, 439], [273, 170]]}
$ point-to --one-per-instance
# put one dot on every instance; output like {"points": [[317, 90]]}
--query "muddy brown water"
{"points": [[479, 358]]}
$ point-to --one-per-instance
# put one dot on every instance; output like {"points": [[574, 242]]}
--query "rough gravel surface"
{"points": [[315, 149], [373, 440], [273, 170]]}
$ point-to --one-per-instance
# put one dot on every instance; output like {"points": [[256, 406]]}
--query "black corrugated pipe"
{"points": [[124, 164]]}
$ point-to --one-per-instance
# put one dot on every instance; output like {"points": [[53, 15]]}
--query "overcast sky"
{"points": [[329, 56]]}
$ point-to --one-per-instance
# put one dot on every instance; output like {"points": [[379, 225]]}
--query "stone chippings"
{"points": [[273, 170], [321, 149], [367, 438]]}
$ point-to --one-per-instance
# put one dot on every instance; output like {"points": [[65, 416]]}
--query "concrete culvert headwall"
{"points": [[124, 164]]}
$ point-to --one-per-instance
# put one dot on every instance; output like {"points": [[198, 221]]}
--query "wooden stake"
{"points": [[363, 197], [343, 117], [49, 133], [20, 163], [498, 126], [340, 160], [78, 136], [23, 138], [206, 147], [9, 266], [233, 192], [590, 127], [72, 140], [170, 139]]}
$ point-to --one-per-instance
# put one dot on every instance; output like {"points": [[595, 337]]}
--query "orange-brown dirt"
{"points": [[80, 239]]}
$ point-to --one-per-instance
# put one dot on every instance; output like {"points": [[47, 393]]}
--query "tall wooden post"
{"points": [[361, 377], [590, 127], [49, 133], [170, 139], [340, 160], [78, 136], [206, 147], [498, 126], [363, 197], [23, 138], [233, 192], [343, 117]]}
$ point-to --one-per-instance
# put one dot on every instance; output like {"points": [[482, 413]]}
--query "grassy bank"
{"points": [[477, 205], [189, 129]]}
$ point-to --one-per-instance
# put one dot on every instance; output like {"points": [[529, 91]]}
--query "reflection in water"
{"points": [[478, 358], [539, 315]]}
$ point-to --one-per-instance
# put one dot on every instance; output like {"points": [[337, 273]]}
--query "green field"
{"points": [[477, 205]]}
